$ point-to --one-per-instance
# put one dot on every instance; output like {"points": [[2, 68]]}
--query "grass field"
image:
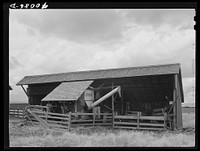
{"points": [[29, 136], [18, 105]]}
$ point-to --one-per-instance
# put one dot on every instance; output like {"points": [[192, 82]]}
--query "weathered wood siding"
{"points": [[179, 106]]}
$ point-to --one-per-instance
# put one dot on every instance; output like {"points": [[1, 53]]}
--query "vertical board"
{"points": [[175, 103], [122, 105], [177, 122], [113, 108], [75, 106], [179, 106]]}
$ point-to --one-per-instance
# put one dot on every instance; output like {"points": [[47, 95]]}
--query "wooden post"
{"points": [[138, 120], [76, 106], [24, 90], [18, 112], [122, 103], [112, 108], [174, 102], [165, 120], [69, 121], [94, 114], [46, 113]]}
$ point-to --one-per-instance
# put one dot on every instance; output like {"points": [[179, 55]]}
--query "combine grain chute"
{"points": [[118, 89]]}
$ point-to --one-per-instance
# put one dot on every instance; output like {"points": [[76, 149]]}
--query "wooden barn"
{"points": [[137, 97]]}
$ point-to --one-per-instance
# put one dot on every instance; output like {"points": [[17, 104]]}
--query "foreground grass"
{"points": [[28, 136], [188, 120]]}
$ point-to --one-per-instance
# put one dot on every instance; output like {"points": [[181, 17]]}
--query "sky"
{"points": [[65, 40]]}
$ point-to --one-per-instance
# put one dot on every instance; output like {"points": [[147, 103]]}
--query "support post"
{"points": [[46, 113], [24, 90], [175, 103], [69, 121], [112, 108], [18, 112], [165, 120], [76, 106], [138, 119], [94, 114], [122, 102]]}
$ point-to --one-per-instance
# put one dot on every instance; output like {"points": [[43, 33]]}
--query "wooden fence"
{"points": [[91, 119], [140, 122], [36, 114], [16, 112], [39, 114], [17, 109], [52, 120]]}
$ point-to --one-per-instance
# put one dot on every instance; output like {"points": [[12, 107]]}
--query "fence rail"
{"points": [[70, 120], [140, 122], [51, 120], [91, 119], [19, 113]]}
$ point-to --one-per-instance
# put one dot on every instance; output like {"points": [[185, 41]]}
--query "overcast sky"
{"points": [[65, 40]]}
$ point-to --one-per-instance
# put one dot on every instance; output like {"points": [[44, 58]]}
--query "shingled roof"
{"points": [[102, 74], [67, 91]]}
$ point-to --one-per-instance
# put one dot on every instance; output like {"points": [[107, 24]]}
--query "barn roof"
{"points": [[102, 74], [68, 91]]}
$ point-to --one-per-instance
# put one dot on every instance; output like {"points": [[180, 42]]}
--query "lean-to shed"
{"points": [[142, 89]]}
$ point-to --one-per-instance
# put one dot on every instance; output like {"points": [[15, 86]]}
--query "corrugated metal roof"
{"points": [[68, 91], [101, 74]]}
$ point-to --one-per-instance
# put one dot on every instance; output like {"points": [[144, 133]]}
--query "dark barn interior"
{"points": [[138, 93]]}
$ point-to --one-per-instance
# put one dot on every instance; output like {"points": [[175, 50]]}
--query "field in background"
{"points": [[29, 136], [188, 110], [23, 105], [18, 105]]}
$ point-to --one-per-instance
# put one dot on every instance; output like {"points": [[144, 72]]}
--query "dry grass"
{"points": [[188, 120], [29, 136]]}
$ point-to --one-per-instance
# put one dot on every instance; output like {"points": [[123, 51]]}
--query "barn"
{"points": [[132, 95]]}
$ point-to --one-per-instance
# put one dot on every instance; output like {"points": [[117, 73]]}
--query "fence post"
{"points": [[18, 112], [113, 120], [69, 121], [94, 118], [138, 119], [14, 112], [46, 113], [165, 120]]}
